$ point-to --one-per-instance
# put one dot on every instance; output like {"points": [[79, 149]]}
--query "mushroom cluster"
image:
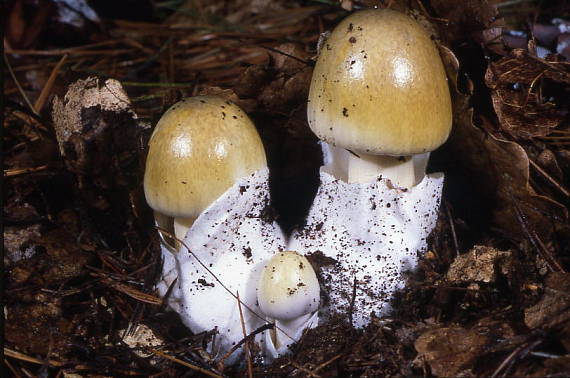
{"points": [[379, 102]]}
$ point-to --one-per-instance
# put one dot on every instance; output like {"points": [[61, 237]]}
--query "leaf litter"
{"points": [[82, 257]]}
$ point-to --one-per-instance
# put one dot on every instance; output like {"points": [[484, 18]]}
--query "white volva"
{"points": [[231, 243], [374, 233]]}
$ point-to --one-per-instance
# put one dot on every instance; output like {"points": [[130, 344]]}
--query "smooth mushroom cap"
{"points": [[288, 287], [379, 87], [198, 149]]}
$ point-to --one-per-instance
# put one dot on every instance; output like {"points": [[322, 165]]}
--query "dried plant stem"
{"points": [[551, 261], [549, 178], [24, 357], [48, 85], [23, 171], [20, 89], [184, 363], [246, 344], [12, 369], [263, 328], [160, 85], [452, 227]]}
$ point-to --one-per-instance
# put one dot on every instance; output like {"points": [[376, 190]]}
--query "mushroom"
{"points": [[206, 178], [379, 98], [289, 294], [198, 149], [379, 102]]}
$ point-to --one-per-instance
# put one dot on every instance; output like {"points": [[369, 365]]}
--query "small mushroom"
{"points": [[199, 148], [379, 98], [289, 295]]}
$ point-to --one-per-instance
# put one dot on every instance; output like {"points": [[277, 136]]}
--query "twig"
{"points": [[507, 362], [246, 344], [159, 85], [452, 226], [62, 51], [20, 89], [328, 362], [184, 363], [24, 357], [305, 370], [12, 369], [23, 171], [549, 178], [48, 85], [307, 62], [263, 328], [535, 240]]}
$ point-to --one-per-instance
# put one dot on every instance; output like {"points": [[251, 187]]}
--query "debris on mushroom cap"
{"points": [[288, 287], [379, 87], [233, 239], [198, 149], [374, 233]]}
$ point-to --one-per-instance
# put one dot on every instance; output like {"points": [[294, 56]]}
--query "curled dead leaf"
{"points": [[500, 169]]}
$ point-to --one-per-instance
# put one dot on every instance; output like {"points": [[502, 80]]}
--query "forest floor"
{"points": [[81, 255]]}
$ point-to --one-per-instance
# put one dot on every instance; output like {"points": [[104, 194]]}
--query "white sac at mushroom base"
{"points": [[234, 240], [373, 233]]}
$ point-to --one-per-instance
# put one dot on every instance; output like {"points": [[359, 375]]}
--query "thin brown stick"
{"points": [[305, 370], [452, 226], [23, 171], [535, 240], [20, 89], [184, 363], [24, 357], [246, 344], [326, 363], [12, 369], [46, 90], [549, 178], [263, 328]]}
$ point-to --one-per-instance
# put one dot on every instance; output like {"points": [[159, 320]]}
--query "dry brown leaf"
{"points": [[481, 264], [515, 84], [502, 171], [470, 20], [553, 310], [451, 351]]}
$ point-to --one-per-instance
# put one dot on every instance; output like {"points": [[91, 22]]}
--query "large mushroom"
{"points": [[379, 98], [380, 103]]}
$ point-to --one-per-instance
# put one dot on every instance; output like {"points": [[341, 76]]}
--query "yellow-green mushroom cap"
{"points": [[288, 287], [200, 147], [379, 87]]}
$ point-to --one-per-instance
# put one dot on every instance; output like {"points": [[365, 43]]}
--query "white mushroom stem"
{"points": [[287, 332], [178, 227], [182, 225], [403, 171]]}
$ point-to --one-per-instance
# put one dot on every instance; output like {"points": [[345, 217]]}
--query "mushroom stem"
{"points": [[403, 171], [164, 222], [287, 332], [182, 225]]}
